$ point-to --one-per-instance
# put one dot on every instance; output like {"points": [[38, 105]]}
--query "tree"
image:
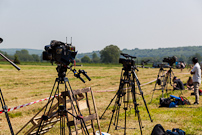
{"points": [[23, 55], [85, 59], [110, 54], [95, 58], [78, 60], [36, 57], [16, 60]]}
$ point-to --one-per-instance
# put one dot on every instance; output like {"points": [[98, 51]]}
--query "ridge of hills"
{"points": [[11, 51]]}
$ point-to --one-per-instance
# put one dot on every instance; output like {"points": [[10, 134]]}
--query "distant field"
{"points": [[34, 82]]}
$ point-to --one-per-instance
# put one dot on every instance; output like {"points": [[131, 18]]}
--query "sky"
{"points": [[94, 24]]}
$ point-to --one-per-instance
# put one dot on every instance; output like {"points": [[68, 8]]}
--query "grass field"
{"points": [[34, 82]]}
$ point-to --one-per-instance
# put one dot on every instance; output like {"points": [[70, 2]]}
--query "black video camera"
{"points": [[170, 60], [59, 52], [128, 61]]}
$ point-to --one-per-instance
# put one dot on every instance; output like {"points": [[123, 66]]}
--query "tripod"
{"points": [[163, 79], [62, 111], [4, 107], [126, 95]]}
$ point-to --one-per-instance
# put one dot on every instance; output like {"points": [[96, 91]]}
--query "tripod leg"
{"points": [[126, 100], [62, 125], [136, 106], [166, 89], [152, 95], [125, 122], [111, 120], [73, 110], [72, 98], [116, 120], [160, 73], [141, 92], [119, 90], [79, 113], [70, 132], [139, 120], [119, 102], [41, 121], [114, 109], [146, 107], [109, 105], [162, 90], [4, 107]]}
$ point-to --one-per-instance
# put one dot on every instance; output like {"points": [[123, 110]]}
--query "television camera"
{"points": [[61, 53], [128, 61], [170, 60]]}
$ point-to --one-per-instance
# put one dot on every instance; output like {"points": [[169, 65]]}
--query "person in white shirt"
{"points": [[196, 71]]}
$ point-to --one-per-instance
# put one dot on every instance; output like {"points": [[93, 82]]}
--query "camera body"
{"points": [[59, 52], [127, 63], [170, 60]]}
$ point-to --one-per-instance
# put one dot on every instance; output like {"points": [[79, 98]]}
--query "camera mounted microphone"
{"points": [[77, 74]]}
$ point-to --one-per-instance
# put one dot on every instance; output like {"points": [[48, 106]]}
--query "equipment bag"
{"points": [[165, 102], [180, 100], [158, 130], [185, 101], [175, 131], [200, 92]]}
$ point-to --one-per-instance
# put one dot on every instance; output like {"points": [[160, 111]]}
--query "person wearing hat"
{"points": [[196, 72], [177, 84]]}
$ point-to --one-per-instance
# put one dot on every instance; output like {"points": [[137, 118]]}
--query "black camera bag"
{"points": [[158, 130], [165, 102]]}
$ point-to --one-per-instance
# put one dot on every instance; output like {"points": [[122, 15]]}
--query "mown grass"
{"points": [[34, 82], [13, 115]]}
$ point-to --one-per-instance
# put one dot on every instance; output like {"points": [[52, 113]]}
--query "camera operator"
{"points": [[177, 84], [196, 71]]}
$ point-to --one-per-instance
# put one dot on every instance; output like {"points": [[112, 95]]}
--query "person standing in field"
{"points": [[196, 71], [182, 66]]}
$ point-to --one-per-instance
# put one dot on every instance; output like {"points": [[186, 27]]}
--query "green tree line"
{"points": [[111, 54], [22, 55]]}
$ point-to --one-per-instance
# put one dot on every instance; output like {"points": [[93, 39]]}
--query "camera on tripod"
{"points": [[127, 61], [61, 53], [170, 60]]}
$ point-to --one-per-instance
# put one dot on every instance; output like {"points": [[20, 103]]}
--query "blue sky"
{"points": [[94, 24]]}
